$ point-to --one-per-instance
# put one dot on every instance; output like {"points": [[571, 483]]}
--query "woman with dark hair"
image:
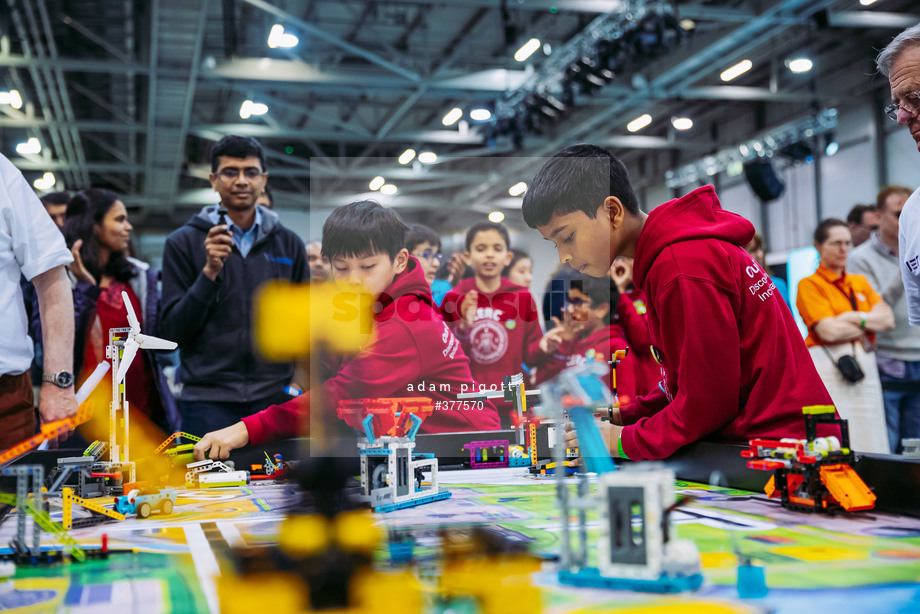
{"points": [[98, 232], [843, 313]]}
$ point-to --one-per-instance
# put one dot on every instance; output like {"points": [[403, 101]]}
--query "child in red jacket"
{"points": [[586, 326], [496, 321], [734, 362], [413, 352]]}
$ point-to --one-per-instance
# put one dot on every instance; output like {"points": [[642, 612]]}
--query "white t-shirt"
{"points": [[30, 244], [909, 255]]}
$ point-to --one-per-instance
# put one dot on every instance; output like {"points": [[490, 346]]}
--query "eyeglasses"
{"points": [[230, 173], [430, 255], [910, 104], [579, 302]]}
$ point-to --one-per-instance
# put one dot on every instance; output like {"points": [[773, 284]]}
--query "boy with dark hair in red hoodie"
{"points": [[734, 362], [588, 326], [496, 321], [413, 352]]}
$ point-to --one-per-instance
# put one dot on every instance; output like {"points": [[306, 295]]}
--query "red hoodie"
{"points": [[604, 341], [505, 332], [632, 315], [735, 364], [413, 354]]}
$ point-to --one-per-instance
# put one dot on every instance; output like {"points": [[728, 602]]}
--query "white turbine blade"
{"points": [[146, 342], [132, 319], [126, 359]]}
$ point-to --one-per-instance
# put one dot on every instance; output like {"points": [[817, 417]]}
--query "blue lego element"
{"points": [[752, 582], [444, 494], [401, 552], [524, 461], [423, 455], [590, 577], [416, 425], [375, 452], [367, 423], [592, 387], [593, 450]]}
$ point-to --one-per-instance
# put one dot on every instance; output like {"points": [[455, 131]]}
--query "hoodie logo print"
{"points": [[488, 342]]}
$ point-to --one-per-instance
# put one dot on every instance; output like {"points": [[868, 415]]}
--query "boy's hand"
{"points": [[621, 272], [217, 245], [455, 268], [221, 442], [610, 433], [568, 327], [468, 308], [551, 341]]}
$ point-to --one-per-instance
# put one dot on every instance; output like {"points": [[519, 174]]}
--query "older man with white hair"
{"points": [[900, 62]]}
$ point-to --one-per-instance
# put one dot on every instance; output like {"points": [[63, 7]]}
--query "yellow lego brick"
{"points": [[355, 531], [303, 536]]}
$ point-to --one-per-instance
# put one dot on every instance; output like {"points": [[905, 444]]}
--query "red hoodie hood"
{"points": [[410, 282], [698, 215]]}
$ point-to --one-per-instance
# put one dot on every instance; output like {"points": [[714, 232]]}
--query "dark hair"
{"points": [[516, 254], [85, 210], [855, 216], [418, 234], [363, 228], [577, 178], [268, 194], [483, 227], [234, 146], [601, 291], [824, 228], [887, 191], [55, 198]]}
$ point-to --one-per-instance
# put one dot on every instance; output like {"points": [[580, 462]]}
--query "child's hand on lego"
{"points": [[221, 442], [468, 308], [610, 433], [621, 272]]}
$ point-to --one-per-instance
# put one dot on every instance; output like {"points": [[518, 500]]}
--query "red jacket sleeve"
{"points": [[635, 325], [374, 373], [700, 335], [643, 406]]}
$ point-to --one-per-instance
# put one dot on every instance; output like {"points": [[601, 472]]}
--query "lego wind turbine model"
{"points": [[137, 340]]}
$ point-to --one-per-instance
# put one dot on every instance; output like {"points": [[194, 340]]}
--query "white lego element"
{"points": [[198, 474], [393, 481], [137, 341], [222, 478], [681, 558]]}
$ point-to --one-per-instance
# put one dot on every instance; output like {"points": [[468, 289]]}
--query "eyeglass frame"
{"points": [[892, 109], [430, 255]]}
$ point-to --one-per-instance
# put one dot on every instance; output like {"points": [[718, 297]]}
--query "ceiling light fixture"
{"points": [[389, 189], [527, 49], [496, 217], [376, 183], [452, 116], [681, 123], [250, 108], [407, 156], [639, 123], [428, 157], [32, 146], [799, 65], [11, 98], [277, 37], [45, 183], [737, 70], [517, 189], [481, 115]]}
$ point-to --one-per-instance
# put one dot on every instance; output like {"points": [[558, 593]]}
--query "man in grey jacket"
{"points": [[898, 353]]}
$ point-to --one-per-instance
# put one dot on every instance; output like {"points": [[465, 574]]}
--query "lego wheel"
{"points": [[143, 510], [167, 506], [379, 478]]}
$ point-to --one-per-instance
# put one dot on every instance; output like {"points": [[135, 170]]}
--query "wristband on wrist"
{"points": [[620, 451], [862, 322]]}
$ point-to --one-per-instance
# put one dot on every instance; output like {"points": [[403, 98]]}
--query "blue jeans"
{"points": [[201, 417], [901, 392]]}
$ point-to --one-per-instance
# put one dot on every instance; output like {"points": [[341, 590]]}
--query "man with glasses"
{"points": [[900, 62], [863, 221], [211, 268]]}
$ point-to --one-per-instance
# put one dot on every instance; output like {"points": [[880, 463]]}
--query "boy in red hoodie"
{"points": [[496, 321], [734, 363], [588, 326], [413, 352]]}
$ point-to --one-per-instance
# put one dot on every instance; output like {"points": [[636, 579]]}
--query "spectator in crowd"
{"points": [[900, 62], [55, 204], [898, 349], [320, 268], [425, 244], [34, 249], [211, 268], [266, 199], [520, 271], [98, 231], [843, 313], [755, 249], [862, 221]]}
